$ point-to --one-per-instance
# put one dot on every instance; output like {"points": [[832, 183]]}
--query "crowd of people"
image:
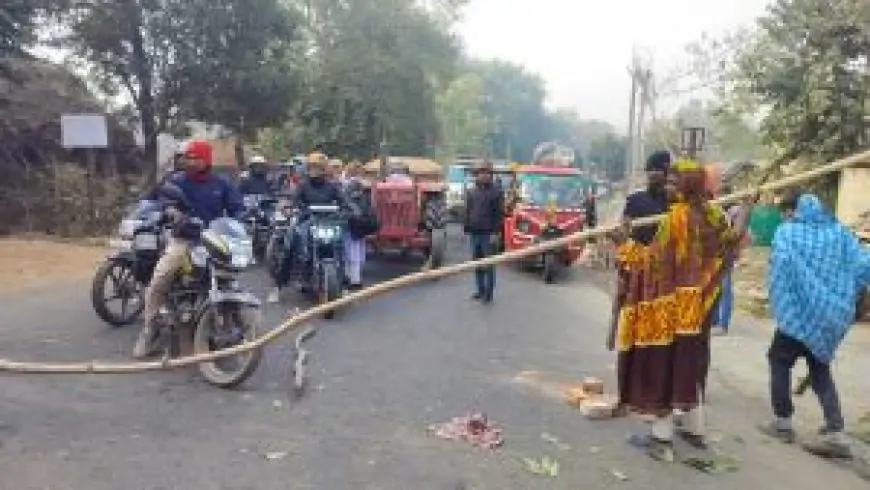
{"points": [[675, 291], [211, 195], [674, 281]]}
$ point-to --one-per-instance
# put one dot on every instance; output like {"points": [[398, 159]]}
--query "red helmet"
{"points": [[199, 150]]}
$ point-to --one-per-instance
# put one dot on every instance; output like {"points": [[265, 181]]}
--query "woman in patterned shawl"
{"points": [[663, 328]]}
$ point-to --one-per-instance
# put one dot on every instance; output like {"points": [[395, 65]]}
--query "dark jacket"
{"points": [[212, 198], [320, 192], [255, 184], [640, 205], [484, 209]]}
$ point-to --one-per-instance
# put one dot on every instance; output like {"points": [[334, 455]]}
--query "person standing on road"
{"points": [[725, 306], [648, 202], [210, 197], [817, 268], [362, 222], [662, 333], [484, 213]]}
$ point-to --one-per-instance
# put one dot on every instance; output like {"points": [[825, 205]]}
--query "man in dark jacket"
{"points": [[257, 181], [648, 202], [651, 201], [209, 196], [315, 190], [484, 213]]}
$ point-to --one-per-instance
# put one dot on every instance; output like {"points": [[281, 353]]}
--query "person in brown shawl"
{"points": [[663, 329]]}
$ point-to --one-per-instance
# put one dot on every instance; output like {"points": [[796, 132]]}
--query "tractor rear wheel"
{"points": [[435, 213]]}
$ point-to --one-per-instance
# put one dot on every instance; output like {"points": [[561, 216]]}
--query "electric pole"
{"points": [[642, 98]]}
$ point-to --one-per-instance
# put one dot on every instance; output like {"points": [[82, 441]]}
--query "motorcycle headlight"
{"points": [[241, 253], [325, 233], [128, 227]]}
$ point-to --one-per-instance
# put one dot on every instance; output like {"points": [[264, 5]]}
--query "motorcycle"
{"points": [[258, 209], [127, 270], [208, 301], [318, 260], [280, 245]]}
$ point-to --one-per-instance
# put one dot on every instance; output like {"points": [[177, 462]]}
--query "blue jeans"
{"points": [[725, 306], [481, 246]]}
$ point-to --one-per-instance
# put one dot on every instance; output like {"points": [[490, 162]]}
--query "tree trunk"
{"points": [[145, 97]]}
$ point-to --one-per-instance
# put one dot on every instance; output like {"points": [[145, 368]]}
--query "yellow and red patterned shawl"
{"points": [[672, 284]]}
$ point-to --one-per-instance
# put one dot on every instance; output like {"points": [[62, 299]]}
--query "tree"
{"points": [[373, 74], [514, 102], [806, 67], [729, 137], [185, 58], [609, 153], [465, 125]]}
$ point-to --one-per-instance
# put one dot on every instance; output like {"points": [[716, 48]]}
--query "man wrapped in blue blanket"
{"points": [[817, 269]]}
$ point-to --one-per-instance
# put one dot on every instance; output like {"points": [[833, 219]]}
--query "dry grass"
{"points": [[28, 263]]}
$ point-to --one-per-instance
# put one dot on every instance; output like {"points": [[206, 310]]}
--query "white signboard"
{"points": [[84, 130]]}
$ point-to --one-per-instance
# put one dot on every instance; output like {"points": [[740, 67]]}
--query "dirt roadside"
{"points": [[29, 263]]}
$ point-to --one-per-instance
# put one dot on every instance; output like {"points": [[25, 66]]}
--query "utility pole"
{"points": [[642, 99]]}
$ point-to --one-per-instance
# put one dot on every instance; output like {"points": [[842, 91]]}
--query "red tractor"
{"points": [[410, 204]]}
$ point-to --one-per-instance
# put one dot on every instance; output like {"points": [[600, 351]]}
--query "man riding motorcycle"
{"points": [[315, 190], [257, 181], [209, 197]]}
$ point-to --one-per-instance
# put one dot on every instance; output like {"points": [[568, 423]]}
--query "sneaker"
{"points": [[144, 344], [718, 331], [274, 296], [477, 297], [832, 446], [778, 432]]}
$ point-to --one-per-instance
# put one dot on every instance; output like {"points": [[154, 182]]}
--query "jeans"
{"points": [[482, 246], [725, 306], [782, 355]]}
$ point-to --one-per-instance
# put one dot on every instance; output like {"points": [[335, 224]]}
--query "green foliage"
{"points": [[609, 155], [465, 124], [218, 60], [805, 68], [729, 136], [373, 75], [17, 24]]}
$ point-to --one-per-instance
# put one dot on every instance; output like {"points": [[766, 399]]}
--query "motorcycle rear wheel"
{"points": [[246, 317], [125, 279]]}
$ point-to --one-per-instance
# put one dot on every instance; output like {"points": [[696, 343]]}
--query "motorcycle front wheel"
{"points": [[330, 287], [116, 280], [226, 326]]}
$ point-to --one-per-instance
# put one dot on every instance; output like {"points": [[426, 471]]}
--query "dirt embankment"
{"points": [[28, 263]]}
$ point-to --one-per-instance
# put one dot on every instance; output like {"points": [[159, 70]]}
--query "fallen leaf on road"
{"points": [[276, 455], [714, 465], [618, 475], [555, 441], [543, 467]]}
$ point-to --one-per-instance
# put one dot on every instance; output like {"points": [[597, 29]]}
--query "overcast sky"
{"points": [[582, 47]]}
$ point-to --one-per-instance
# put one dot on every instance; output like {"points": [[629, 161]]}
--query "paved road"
{"points": [[383, 372]]}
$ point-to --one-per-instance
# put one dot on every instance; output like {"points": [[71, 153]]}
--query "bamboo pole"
{"points": [[291, 324]]}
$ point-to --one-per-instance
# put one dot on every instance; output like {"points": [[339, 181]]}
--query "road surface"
{"points": [[381, 374]]}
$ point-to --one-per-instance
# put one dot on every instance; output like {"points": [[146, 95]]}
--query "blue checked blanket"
{"points": [[817, 269]]}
